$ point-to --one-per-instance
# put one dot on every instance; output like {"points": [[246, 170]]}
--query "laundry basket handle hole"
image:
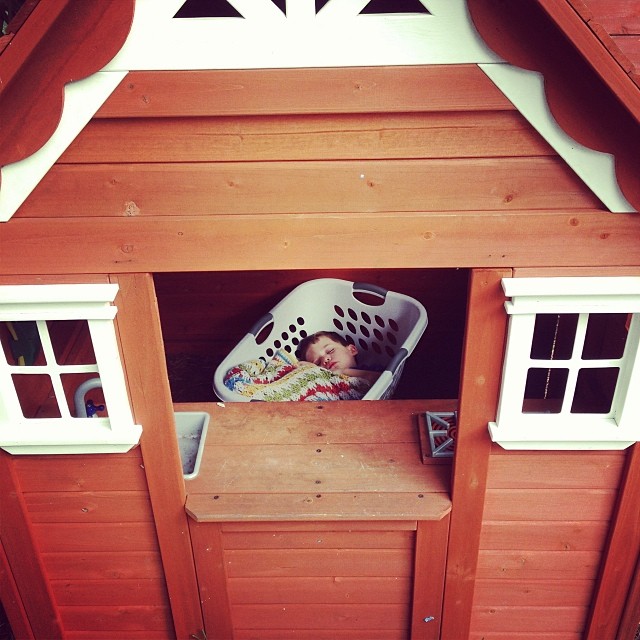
{"points": [[261, 330], [369, 294]]}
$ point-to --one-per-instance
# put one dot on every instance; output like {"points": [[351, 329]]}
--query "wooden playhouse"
{"points": [[172, 169]]}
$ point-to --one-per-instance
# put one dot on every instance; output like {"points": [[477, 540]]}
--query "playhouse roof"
{"points": [[594, 94]]}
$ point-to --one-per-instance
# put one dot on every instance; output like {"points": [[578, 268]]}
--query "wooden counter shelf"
{"points": [[317, 461]]}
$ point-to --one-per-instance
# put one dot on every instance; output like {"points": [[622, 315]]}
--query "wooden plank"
{"points": [[195, 243], [429, 572], [143, 359], [538, 565], [24, 558], [480, 384], [212, 579], [14, 610], [319, 424], [619, 17], [317, 634], [559, 470], [324, 539], [314, 137], [526, 635], [566, 620], [544, 534], [82, 593], [118, 618], [317, 506], [242, 563], [103, 506], [617, 572], [311, 617], [116, 472], [96, 536], [340, 186], [631, 614], [533, 593], [320, 590], [284, 91], [283, 527], [321, 468], [540, 504], [140, 565], [127, 634]]}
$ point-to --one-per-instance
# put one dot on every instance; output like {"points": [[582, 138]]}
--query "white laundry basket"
{"points": [[385, 327]]}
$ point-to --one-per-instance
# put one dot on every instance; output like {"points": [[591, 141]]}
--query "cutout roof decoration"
{"points": [[90, 50]]}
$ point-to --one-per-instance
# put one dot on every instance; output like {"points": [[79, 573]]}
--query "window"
{"points": [[571, 377], [56, 340]]}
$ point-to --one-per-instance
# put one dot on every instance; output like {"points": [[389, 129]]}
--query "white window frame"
{"points": [[66, 434], [617, 429]]}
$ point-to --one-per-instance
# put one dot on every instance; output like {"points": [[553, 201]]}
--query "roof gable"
{"points": [[305, 36]]}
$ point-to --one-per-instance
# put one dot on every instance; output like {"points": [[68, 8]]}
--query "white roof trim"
{"points": [[265, 38], [81, 100], [525, 89]]}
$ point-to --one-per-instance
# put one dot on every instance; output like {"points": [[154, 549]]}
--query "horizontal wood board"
{"points": [[497, 238], [287, 91]]}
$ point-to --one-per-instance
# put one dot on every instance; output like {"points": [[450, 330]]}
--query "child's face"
{"points": [[332, 355]]}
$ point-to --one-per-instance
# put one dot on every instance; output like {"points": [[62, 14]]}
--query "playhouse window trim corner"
{"points": [[36, 306], [562, 421]]}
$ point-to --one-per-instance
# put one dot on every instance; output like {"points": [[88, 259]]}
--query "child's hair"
{"points": [[305, 343]]}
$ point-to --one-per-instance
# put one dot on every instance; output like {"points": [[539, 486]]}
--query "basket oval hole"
{"points": [[337, 324], [370, 299], [379, 321], [338, 310], [264, 333], [352, 314]]}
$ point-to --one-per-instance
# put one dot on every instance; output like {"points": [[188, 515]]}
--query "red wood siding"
{"points": [[545, 526], [340, 155], [93, 526]]}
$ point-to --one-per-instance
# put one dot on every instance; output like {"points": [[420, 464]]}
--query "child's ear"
{"points": [[352, 349]]}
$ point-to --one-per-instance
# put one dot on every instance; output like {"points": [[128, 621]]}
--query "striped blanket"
{"points": [[284, 378]]}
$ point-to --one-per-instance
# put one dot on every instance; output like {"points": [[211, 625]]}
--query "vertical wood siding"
{"points": [[93, 525], [545, 525]]}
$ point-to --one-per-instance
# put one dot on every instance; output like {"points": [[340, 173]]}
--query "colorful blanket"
{"points": [[285, 378]]}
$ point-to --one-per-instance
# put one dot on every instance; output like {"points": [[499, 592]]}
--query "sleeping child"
{"points": [[330, 350], [327, 370]]}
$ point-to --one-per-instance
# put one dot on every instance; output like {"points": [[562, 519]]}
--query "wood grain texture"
{"points": [[480, 381], [286, 91], [142, 353], [392, 240], [310, 187], [312, 137]]}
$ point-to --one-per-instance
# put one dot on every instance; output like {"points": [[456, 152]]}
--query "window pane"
{"points": [[21, 343], [84, 395], [36, 396], [71, 341], [554, 336], [606, 336], [594, 390], [544, 391]]}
